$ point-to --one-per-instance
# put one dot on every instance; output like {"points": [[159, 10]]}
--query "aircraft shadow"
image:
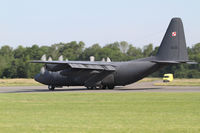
{"points": [[45, 90], [136, 89], [82, 90]]}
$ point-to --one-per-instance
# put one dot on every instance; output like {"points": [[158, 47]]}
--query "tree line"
{"points": [[14, 62]]}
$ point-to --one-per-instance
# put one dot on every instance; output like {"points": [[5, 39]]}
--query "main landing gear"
{"points": [[101, 87], [111, 87]]}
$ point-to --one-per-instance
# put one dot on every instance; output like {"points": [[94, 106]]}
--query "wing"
{"points": [[61, 65], [93, 73]]}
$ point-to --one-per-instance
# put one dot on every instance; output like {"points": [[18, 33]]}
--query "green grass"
{"points": [[100, 113], [180, 82]]}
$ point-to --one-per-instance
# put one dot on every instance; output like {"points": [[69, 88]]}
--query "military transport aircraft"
{"points": [[110, 74]]}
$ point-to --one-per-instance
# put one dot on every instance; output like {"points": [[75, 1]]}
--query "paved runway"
{"points": [[136, 87]]}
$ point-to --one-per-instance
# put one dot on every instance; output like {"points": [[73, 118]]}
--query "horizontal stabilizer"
{"points": [[173, 62], [166, 62], [192, 63]]}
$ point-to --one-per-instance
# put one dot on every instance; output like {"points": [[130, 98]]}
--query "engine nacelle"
{"points": [[55, 67]]}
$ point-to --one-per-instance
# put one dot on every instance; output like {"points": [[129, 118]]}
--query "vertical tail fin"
{"points": [[173, 46]]}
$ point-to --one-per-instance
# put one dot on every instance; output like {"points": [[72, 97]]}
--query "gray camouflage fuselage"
{"points": [[126, 73]]}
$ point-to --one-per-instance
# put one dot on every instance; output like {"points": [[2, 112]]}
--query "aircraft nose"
{"points": [[37, 77], [43, 78]]}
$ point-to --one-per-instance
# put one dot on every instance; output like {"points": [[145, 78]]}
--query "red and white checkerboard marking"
{"points": [[173, 33]]}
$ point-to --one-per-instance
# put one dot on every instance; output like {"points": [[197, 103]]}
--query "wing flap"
{"points": [[92, 66]]}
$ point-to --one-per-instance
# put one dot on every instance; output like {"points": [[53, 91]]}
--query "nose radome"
{"points": [[37, 77], [43, 78]]}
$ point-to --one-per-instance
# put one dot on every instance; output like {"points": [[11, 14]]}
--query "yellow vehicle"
{"points": [[168, 77]]}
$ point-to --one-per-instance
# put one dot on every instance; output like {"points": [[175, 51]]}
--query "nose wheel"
{"points": [[51, 87]]}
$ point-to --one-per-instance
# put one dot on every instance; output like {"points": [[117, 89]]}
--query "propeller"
{"points": [[92, 58], [103, 60], [60, 58], [108, 59], [50, 59], [42, 70], [44, 58]]}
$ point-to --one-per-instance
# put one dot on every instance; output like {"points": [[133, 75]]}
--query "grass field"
{"points": [[180, 82], [18, 82], [100, 113]]}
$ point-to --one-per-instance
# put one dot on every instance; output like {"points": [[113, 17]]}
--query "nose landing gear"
{"points": [[51, 87]]}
